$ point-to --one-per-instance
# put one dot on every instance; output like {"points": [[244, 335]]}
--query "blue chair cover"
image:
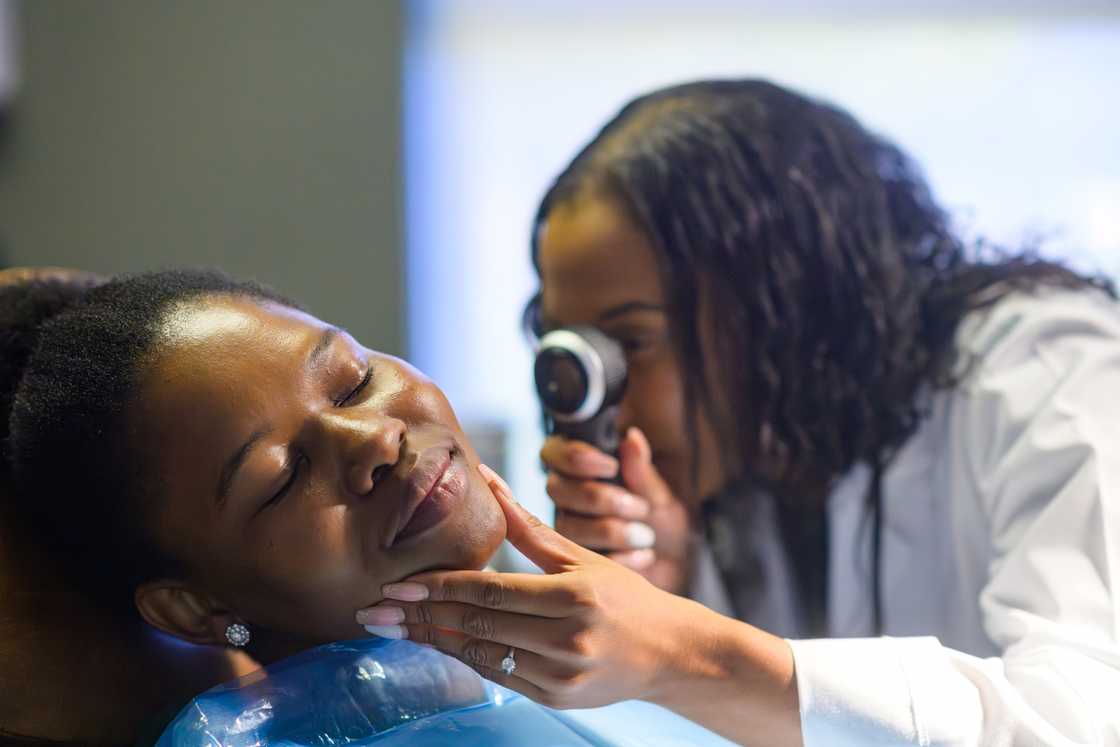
{"points": [[395, 693]]}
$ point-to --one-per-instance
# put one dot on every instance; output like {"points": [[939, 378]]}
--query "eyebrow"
{"points": [[225, 479], [629, 307], [547, 324], [315, 357]]}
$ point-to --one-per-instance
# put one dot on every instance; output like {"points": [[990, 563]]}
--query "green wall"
{"points": [[259, 136]]}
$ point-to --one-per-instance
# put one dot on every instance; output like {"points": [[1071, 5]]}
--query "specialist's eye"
{"points": [[357, 391], [636, 344]]}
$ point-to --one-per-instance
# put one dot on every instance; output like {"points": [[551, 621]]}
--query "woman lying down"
{"points": [[236, 472]]}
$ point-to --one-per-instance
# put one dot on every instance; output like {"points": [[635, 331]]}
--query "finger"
{"points": [[638, 473], [594, 498], [577, 459], [404, 620], [605, 533], [512, 682], [523, 593], [638, 560], [537, 541], [485, 657]]}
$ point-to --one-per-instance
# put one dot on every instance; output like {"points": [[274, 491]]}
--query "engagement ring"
{"points": [[509, 663]]}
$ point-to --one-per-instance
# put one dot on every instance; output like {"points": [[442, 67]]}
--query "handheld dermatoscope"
{"points": [[580, 375]]}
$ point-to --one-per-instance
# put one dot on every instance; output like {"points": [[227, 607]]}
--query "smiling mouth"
{"points": [[434, 486]]}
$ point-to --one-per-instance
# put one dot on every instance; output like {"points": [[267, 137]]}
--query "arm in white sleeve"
{"points": [[1036, 431]]}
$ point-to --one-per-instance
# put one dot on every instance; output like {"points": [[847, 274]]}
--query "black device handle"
{"points": [[601, 432]]}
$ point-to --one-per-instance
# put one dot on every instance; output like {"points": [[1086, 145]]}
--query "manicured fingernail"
{"points": [[643, 443], [596, 462], [631, 506], [637, 559], [405, 592], [491, 476], [395, 632], [488, 474], [639, 535], [380, 616]]}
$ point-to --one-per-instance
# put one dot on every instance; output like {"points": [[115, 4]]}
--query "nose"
{"points": [[367, 445]]}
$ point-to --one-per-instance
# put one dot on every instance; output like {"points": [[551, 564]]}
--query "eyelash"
{"points": [[287, 486], [358, 389], [283, 491]]}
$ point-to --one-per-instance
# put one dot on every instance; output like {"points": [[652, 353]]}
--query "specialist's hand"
{"points": [[640, 523], [590, 632]]}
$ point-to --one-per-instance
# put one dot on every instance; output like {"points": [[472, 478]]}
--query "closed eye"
{"points": [[357, 390], [293, 475]]}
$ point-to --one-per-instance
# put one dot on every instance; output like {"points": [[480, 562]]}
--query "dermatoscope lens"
{"points": [[561, 380]]}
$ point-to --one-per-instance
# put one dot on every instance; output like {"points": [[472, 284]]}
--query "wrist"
{"points": [[731, 677]]}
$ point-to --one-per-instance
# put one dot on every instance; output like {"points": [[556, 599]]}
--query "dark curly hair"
{"points": [[75, 451], [27, 300], [836, 281]]}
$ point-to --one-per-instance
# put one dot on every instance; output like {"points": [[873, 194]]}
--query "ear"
{"points": [[180, 611]]}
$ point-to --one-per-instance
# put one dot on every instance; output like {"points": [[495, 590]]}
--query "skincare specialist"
{"points": [[825, 473]]}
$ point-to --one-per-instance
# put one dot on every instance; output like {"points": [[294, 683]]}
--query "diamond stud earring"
{"points": [[237, 634]]}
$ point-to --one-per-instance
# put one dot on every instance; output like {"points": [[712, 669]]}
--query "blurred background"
{"points": [[381, 161]]}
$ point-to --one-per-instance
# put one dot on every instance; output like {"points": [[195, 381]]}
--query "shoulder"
{"points": [[1042, 326], [1035, 404]]}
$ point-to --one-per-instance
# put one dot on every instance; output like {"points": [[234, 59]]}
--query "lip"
{"points": [[433, 486]]}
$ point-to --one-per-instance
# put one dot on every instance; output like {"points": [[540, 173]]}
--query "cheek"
{"points": [[415, 398], [711, 474], [311, 575], [654, 402], [308, 573]]}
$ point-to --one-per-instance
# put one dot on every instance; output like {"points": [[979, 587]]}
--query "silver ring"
{"points": [[509, 663]]}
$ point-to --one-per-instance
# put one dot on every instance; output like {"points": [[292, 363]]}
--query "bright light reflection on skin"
{"points": [[196, 323]]}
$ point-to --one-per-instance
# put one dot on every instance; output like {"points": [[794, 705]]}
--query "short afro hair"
{"points": [[77, 461]]}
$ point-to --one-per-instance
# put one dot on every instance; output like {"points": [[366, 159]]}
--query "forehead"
{"points": [[592, 258], [219, 324], [223, 361]]}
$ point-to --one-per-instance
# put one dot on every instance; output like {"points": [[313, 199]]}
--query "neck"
{"points": [[266, 647], [112, 674]]}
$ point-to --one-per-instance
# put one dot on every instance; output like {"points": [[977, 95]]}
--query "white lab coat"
{"points": [[1001, 552]]}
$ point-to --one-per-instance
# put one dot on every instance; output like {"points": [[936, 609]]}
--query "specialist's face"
{"points": [[297, 468], [597, 267]]}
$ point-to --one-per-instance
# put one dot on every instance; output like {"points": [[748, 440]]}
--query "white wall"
{"points": [[1014, 109]]}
